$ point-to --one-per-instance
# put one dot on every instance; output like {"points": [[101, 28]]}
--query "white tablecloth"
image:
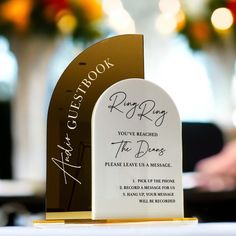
{"points": [[144, 229]]}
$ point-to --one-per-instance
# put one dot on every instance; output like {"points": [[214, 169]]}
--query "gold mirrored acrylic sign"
{"points": [[68, 193]]}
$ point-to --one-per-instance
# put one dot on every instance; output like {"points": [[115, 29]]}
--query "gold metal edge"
{"points": [[70, 215], [113, 221], [150, 219]]}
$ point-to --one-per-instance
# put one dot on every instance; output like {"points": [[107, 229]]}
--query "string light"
{"points": [[222, 18]]}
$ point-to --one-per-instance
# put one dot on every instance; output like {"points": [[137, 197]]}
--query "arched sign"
{"points": [[68, 193], [136, 154]]}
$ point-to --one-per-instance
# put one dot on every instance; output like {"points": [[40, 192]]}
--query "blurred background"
{"points": [[189, 51]]}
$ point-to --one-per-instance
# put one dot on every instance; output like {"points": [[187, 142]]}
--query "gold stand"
{"points": [[192, 220]]}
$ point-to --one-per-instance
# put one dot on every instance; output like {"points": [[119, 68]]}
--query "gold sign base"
{"points": [[69, 215], [184, 220]]}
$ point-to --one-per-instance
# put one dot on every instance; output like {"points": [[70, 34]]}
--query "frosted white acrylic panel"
{"points": [[136, 153]]}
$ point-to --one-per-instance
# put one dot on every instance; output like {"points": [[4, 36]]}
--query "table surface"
{"points": [[138, 229]]}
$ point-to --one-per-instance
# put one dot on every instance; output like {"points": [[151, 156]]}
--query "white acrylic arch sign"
{"points": [[136, 153]]}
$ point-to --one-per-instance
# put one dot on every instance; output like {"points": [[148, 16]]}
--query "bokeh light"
{"points": [[222, 18], [181, 20], [169, 6], [166, 24], [118, 18], [67, 23]]}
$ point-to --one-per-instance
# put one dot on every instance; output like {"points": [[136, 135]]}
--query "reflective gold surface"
{"points": [[69, 118], [116, 221]]}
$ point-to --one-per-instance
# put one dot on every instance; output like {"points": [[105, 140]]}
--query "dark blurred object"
{"points": [[210, 206], [5, 140], [12, 207], [200, 140]]}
